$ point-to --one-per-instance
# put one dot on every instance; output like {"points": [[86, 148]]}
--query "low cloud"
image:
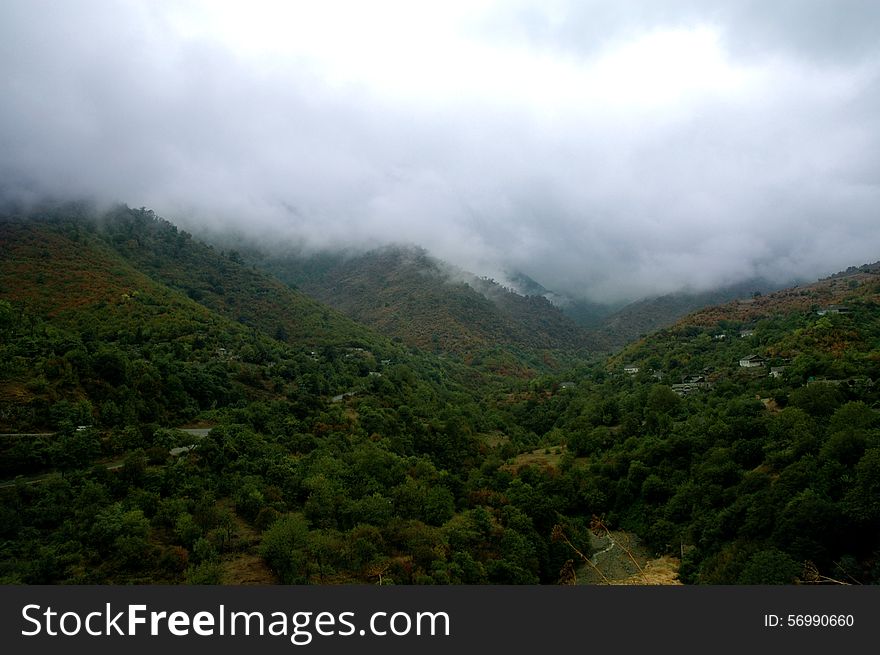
{"points": [[608, 150]]}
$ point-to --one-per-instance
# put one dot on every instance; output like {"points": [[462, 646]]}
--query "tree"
{"points": [[7, 317], [663, 400], [284, 547], [792, 433], [818, 399], [186, 530], [122, 535], [439, 505], [862, 502], [365, 544], [853, 416], [110, 365], [770, 567], [249, 500], [75, 448], [808, 526]]}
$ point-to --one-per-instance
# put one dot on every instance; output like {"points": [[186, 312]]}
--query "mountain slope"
{"points": [[130, 319], [627, 324], [744, 439], [829, 327], [405, 293], [90, 338], [353, 459], [223, 283], [366, 453]]}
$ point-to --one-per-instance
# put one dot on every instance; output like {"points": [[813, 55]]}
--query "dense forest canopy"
{"points": [[743, 441]]}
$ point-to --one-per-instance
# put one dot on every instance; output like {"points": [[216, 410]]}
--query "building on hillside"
{"points": [[691, 385], [632, 369], [853, 382], [687, 389], [682, 389], [745, 334], [752, 361], [833, 309], [777, 371]]}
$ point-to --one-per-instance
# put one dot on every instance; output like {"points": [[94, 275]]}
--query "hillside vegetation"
{"points": [[637, 319], [428, 304], [333, 454], [406, 294], [767, 473], [327, 451]]}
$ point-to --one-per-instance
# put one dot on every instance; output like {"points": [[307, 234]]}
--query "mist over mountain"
{"points": [[378, 287], [643, 317], [611, 154], [462, 292], [406, 293], [448, 438]]}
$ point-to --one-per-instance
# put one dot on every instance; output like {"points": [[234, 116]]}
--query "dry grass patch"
{"points": [[246, 569], [548, 457]]}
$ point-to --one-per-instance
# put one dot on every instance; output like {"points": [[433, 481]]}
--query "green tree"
{"points": [[122, 536], [663, 400], [818, 399], [862, 501], [770, 567], [284, 547], [75, 448]]}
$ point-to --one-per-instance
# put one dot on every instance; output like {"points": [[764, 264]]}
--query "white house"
{"points": [[632, 369], [833, 309], [752, 361]]}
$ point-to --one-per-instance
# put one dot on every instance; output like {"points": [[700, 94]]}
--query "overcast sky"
{"points": [[608, 149]]}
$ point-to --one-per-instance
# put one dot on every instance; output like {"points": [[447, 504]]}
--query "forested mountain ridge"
{"points": [[224, 283], [68, 301], [331, 456], [405, 293], [127, 281], [782, 324], [635, 320], [744, 439]]}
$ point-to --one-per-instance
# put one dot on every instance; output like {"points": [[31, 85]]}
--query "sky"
{"points": [[610, 150]]}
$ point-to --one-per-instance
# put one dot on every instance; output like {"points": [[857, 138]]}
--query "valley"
{"points": [[386, 417]]}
